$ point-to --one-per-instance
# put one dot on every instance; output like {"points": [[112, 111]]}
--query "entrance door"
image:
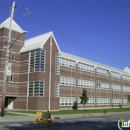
{"points": [[10, 103]]}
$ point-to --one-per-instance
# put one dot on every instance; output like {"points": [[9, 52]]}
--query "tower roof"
{"points": [[15, 26], [37, 42]]}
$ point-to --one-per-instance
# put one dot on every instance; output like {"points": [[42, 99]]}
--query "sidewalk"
{"points": [[30, 117]]}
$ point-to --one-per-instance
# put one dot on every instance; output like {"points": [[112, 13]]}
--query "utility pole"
{"points": [[6, 62]]}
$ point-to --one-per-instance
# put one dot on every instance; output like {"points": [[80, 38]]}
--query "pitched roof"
{"points": [[37, 42], [126, 69], [15, 26]]}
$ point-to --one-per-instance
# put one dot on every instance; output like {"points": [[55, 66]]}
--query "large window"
{"points": [[125, 77], [67, 81], [126, 89], [86, 83], [36, 88], [115, 75], [116, 101], [85, 67], [91, 101], [103, 101], [67, 101], [125, 101], [115, 87], [67, 63], [37, 60], [57, 89], [57, 64], [102, 71], [104, 86]]}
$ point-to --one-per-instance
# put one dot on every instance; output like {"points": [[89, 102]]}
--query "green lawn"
{"points": [[11, 114], [78, 111]]}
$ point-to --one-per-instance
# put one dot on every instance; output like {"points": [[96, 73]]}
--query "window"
{"points": [[67, 101], [67, 62], [104, 86], [11, 77], [115, 75], [116, 101], [57, 89], [36, 88], [13, 56], [126, 89], [124, 101], [115, 87], [14, 34], [67, 81], [57, 64], [91, 101], [102, 71], [85, 67], [86, 83], [125, 77], [37, 60], [103, 101]]}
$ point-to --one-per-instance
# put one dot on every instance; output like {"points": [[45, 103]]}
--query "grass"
{"points": [[77, 111], [11, 114]]}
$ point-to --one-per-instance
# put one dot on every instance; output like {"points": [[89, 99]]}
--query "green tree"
{"points": [[84, 98], [128, 99]]}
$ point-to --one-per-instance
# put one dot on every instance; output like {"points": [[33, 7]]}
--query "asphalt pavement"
{"points": [[98, 121]]}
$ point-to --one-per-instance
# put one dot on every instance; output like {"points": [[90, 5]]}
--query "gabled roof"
{"points": [[93, 63], [15, 26], [126, 69], [37, 42]]}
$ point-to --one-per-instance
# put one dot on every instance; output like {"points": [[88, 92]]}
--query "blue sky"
{"points": [[98, 30]]}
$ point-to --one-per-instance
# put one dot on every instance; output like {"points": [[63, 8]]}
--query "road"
{"points": [[92, 123]]}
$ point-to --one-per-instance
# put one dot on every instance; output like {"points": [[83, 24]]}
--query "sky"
{"points": [[97, 30]]}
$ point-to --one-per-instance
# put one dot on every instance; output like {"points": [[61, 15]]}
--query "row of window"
{"points": [[91, 84], [90, 68], [69, 101], [37, 63], [86, 83]]}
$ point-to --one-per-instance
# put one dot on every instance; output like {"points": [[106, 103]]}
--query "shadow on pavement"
{"points": [[64, 125]]}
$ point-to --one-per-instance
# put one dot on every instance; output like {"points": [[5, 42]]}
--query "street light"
{"points": [[5, 73]]}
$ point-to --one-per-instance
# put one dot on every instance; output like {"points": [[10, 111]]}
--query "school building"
{"points": [[45, 78]]}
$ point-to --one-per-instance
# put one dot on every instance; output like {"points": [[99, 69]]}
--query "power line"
{"points": [[69, 38]]}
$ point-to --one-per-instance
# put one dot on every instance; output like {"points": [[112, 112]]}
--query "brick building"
{"points": [[43, 77]]}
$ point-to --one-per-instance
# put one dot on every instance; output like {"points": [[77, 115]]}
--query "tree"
{"points": [[128, 99], [84, 98]]}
